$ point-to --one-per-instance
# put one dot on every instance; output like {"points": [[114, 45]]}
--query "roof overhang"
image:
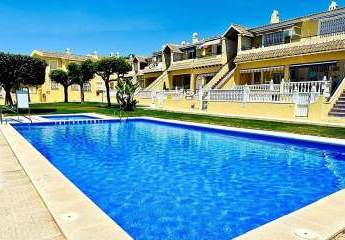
{"points": [[234, 30]]}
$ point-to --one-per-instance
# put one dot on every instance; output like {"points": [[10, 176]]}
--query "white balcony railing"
{"points": [[168, 94], [287, 87], [145, 94], [261, 97], [286, 92], [303, 42]]}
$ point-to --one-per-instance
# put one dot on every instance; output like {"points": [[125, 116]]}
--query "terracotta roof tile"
{"points": [[287, 51], [63, 55]]}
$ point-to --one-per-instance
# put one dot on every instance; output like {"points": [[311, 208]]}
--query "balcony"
{"points": [[207, 61], [155, 67], [305, 46]]}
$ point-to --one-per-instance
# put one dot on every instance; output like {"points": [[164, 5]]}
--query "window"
{"points": [[332, 26], [87, 87], [75, 87], [53, 64], [33, 90], [191, 53], [275, 38], [54, 85], [219, 49], [142, 65]]}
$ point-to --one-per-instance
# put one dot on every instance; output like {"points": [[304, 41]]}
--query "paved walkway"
{"points": [[23, 215]]}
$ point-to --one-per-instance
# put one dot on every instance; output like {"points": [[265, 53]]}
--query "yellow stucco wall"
{"points": [[45, 93], [309, 28], [282, 111]]}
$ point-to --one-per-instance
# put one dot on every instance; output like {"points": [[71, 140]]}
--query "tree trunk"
{"points": [[8, 97], [65, 89], [107, 88], [81, 93]]}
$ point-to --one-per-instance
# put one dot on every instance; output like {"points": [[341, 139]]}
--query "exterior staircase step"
{"points": [[335, 114], [339, 105], [338, 109]]}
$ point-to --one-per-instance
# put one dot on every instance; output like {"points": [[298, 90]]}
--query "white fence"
{"points": [[171, 94], [286, 92], [288, 87], [145, 94], [260, 97]]}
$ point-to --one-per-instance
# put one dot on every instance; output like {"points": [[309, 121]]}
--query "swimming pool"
{"points": [[69, 117], [166, 181]]}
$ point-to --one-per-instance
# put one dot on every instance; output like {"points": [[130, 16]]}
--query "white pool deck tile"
{"points": [[23, 214], [76, 215], [79, 218]]}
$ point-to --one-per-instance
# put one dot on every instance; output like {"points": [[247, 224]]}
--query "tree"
{"points": [[81, 74], [61, 77], [73, 73], [110, 67], [20, 70], [125, 90]]}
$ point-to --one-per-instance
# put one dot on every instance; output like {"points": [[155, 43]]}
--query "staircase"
{"points": [[338, 109], [159, 80], [222, 75], [223, 80]]}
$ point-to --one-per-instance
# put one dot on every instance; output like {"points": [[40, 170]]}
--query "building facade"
{"points": [[50, 91], [295, 67], [287, 69]]}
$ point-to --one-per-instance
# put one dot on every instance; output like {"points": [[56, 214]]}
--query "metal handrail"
{"points": [[11, 109]]}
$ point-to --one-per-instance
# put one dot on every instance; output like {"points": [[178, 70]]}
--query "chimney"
{"points": [[195, 38], [68, 51], [275, 17], [333, 6]]}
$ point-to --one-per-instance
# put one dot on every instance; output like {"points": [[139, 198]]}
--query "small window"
{"points": [[219, 49], [75, 87], [33, 90], [191, 53], [54, 85], [53, 64], [332, 26], [275, 38], [87, 87]]}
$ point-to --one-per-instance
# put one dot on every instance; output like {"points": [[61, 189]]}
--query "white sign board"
{"points": [[22, 99]]}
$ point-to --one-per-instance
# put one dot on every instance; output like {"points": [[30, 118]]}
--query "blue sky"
{"points": [[130, 26]]}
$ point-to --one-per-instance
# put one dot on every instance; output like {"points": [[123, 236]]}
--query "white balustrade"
{"points": [[225, 95], [145, 94], [288, 87], [260, 97]]}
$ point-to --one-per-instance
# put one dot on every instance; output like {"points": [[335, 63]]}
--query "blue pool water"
{"points": [[69, 117], [161, 181]]}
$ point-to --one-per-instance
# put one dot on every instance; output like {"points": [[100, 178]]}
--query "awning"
{"points": [[314, 64], [268, 69]]}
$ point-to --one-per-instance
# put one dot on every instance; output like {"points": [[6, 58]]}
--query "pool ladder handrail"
{"points": [[11, 109]]}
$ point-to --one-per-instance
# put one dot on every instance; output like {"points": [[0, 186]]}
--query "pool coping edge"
{"points": [[323, 217], [77, 216]]}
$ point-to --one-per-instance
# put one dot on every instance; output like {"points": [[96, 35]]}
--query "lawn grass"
{"points": [[306, 129]]}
